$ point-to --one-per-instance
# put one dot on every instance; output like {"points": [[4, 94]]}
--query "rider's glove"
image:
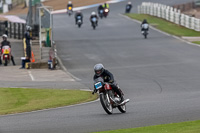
{"points": [[111, 81], [94, 91]]}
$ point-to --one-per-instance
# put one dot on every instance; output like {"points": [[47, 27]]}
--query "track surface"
{"points": [[159, 74]]}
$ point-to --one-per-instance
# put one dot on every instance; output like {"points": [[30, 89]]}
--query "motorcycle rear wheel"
{"points": [[94, 27], [105, 104], [6, 62]]}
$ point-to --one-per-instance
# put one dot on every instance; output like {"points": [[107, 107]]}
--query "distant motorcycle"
{"points": [[6, 55], [101, 13], [128, 9], [69, 11], [145, 28], [94, 22], [79, 21], [105, 12], [108, 98]]}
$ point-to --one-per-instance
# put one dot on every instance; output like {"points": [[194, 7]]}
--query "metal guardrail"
{"points": [[169, 13]]}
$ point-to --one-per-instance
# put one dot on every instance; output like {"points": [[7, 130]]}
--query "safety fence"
{"points": [[169, 13], [13, 30]]}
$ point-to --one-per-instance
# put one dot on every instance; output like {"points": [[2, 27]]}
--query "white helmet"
{"points": [[98, 69], [69, 2], [129, 3], [4, 36], [28, 28], [93, 13]]}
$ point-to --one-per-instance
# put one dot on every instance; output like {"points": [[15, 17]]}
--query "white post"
{"points": [[5, 8]]}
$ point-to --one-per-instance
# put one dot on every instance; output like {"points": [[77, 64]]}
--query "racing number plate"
{"points": [[6, 51], [98, 85]]}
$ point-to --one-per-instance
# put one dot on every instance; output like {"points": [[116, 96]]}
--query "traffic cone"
{"points": [[32, 57]]}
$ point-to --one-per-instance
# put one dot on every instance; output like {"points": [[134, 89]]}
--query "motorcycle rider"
{"points": [[142, 25], [94, 15], [108, 77], [128, 7], [106, 5], [70, 5], [100, 8], [6, 43], [78, 13]]}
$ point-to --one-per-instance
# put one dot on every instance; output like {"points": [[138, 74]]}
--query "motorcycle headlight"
{"points": [[106, 10]]}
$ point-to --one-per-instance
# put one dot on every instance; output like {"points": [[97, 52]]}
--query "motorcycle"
{"points": [[128, 9], [105, 12], [101, 13], [69, 11], [6, 55], [145, 28], [79, 21], [94, 22], [108, 98]]}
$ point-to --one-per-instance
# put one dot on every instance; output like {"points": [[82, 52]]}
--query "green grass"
{"points": [[184, 127], [165, 25], [197, 42], [15, 100]]}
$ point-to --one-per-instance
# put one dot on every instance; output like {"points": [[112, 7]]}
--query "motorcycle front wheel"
{"points": [[105, 102], [122, 108]]}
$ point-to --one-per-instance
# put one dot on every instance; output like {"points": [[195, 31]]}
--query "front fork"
{"points": [[108, 98]]}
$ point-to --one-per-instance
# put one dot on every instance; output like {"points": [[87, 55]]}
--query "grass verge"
{"points": [[197, 42], [165, 25], [184, 127], [16, 100]]}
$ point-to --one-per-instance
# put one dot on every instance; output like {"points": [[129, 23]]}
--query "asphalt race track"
{"points": [[160, 75]]}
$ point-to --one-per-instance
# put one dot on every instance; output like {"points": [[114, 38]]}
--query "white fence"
{"points": [[169, 13]]}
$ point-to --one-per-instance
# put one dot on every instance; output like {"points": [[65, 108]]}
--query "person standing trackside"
{"points": [[28, 38]]}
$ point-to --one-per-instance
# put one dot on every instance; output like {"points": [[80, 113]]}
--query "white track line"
{"points": [[65, 69], [30, 74]]}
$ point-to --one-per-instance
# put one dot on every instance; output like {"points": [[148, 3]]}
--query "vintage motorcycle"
{"points": [[101, 13], [69, 11], [94, 22], [105, 12], [128, 9], [145, 28], [6, 55], [108, 98], [79, 21]]}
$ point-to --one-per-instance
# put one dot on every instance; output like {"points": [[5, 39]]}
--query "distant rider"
{"points": [[6, 43], [108, 77], [106, 5], [100, 8], [144, 25], [128, 7], [78, 14], [94, 15], [70, 5]]}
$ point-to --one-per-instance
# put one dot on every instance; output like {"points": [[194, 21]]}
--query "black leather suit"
{"points": [[109, 78]]}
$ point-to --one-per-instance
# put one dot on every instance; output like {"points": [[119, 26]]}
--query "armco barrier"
{"points": [[169, 13]]}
